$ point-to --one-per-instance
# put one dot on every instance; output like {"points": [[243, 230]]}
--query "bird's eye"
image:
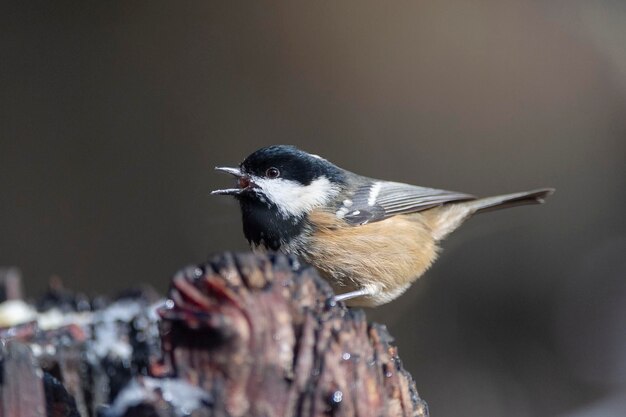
{"points": [[272, 173]]}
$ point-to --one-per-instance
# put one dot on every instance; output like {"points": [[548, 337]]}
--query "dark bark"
{"points": [[22, 385], [242, 335]]}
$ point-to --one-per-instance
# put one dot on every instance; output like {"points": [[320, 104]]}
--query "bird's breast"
{"points": [[390, 253]]}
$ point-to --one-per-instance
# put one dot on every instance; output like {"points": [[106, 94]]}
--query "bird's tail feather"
{"points": [[498, 202], [444, 219]]}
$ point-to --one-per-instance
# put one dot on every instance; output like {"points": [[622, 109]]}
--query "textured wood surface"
{"points": [[264, 337], [241, 335], [22, 386]]}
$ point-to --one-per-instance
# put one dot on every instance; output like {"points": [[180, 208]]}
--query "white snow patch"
{"points": [[14, 312], [182, 396]]}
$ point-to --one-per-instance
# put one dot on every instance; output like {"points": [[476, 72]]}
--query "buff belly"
{"points": [[385, 256]]}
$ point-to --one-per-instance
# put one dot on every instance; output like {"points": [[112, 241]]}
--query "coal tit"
{"points": [[371, 239]]}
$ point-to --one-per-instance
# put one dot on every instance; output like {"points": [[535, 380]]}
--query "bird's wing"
{"points": [[378, 200]]}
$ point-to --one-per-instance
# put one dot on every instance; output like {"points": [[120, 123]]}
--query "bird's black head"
{"points": [[291, 164], [277, 187]]}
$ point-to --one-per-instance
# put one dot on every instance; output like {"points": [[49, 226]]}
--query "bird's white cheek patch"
{"points": [[293, 198]]}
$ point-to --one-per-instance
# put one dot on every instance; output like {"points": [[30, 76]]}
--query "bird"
{"points": [[369, 238]]}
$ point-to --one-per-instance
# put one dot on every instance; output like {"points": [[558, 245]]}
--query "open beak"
{"points": [[243, 181]]}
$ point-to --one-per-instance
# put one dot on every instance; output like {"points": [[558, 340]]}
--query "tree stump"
{"points": [[251, 335]]}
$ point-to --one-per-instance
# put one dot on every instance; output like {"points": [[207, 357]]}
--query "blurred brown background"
{"points": [[113, 114]]}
